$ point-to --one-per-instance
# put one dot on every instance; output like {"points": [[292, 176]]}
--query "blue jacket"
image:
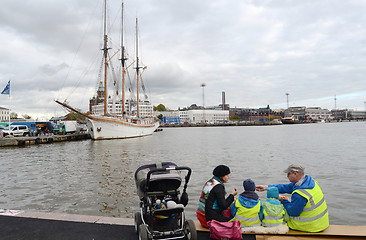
{"points": [[297, 204], [248, 203]]}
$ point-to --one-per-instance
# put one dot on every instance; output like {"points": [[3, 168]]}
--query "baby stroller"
{"points": [[161, 213]]}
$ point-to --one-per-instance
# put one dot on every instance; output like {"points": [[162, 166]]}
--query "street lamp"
{"points": [[335, 102], [203, 85]]}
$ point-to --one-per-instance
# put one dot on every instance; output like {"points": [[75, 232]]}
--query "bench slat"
{"points": [[331, 232]]}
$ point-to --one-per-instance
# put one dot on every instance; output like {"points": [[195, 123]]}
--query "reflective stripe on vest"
{"points": [[248, 217], [303, 219], [314, 217], [313, 205], [272, 224], [272, 221]]}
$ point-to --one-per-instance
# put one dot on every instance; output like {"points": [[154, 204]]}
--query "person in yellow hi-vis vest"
{"points": [[307, 210], [273, 211], [248, 207]]}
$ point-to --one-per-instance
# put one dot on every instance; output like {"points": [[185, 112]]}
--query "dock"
{"points": [[10, 141], [59, 226], [42, 225]]}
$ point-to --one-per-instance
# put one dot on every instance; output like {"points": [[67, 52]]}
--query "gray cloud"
{"points": [[256, 51]]}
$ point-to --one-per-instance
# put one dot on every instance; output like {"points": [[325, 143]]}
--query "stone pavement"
{"points": [[55, 226]]}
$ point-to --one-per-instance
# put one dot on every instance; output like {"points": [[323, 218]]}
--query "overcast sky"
{"points": [[254, 50]]}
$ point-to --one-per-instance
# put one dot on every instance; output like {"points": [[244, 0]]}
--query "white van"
{"points": [[16, 130]]}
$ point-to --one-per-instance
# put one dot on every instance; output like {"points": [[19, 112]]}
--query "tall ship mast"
{"points": [[123, 62], [137, 67], [125, 125], [105, 51]]}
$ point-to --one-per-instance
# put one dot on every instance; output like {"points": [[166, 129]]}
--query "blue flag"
{"points": [[6, 89]]}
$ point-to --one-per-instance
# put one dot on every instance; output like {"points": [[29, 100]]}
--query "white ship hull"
{"points": [[113, 128]]}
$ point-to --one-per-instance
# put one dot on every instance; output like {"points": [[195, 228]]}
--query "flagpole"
{"points": [[9, 112], [7, 91]]}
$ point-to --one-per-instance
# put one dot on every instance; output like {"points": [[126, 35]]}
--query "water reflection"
{"points": [[97, 177]]}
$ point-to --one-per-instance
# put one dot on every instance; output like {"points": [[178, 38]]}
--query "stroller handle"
{"points": [[167, 169]]}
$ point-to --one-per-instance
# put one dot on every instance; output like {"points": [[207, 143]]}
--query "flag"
{"points": [[6, 89]]}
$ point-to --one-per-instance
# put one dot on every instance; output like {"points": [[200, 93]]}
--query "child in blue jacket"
{"points": [[248, 207]]}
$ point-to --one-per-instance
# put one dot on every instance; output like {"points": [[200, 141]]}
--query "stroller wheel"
{"points": [[138, 221], [143, 235], [190, 228]]}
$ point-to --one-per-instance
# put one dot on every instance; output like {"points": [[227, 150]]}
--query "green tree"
{"points": [[75, 116], [234, 117], [26, 116], [160, 108], [160, 116], [13, 115]]}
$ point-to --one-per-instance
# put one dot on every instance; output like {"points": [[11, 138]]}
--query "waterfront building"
{"points": [[317, 113], [4, 114], [115, 108], [208, 116], [356, 115], [297, 112], [194, 116], [184, 117], [168, 117], [256, 114], [339, 114], [99, 98]]}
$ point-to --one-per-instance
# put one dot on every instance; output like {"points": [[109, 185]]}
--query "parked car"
{"points": [[16, 130]]}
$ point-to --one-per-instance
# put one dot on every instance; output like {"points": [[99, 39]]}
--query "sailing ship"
{"points": [[110, 125]]}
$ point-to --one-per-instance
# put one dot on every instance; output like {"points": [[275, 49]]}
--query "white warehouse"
{"points": [[204, 116]]}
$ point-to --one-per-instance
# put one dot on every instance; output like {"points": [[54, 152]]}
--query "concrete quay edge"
{"points": [[35, 140], [77, 218]]}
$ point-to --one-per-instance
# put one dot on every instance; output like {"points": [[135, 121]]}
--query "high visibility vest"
{"points": [[248, 217], [205, 192], [314, 217], [272, 221]]}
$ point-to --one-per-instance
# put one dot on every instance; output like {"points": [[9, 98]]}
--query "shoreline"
{"points": [[250, 123], [35, 140]]}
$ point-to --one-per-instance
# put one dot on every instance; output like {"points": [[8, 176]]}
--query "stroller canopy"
{"points": [[161, 181]]}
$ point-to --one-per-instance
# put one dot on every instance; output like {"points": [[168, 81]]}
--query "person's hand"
{"points": [[261, 188], [234, 192], [282, 198]]}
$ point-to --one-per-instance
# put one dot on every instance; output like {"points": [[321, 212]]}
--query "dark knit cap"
{"points": [[249, 185], [221, 171]]}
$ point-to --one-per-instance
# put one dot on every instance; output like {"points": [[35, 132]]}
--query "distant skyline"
{"points": [[255, 51]]}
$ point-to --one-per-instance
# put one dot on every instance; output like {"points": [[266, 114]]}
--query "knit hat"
{"points": [[272, 192], [249, 185], [221, 171]]}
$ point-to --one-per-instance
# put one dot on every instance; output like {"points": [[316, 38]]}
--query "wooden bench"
{"points": [[336, 232]]}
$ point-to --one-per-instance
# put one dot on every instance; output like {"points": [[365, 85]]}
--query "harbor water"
{"points": [[97, 177]]}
